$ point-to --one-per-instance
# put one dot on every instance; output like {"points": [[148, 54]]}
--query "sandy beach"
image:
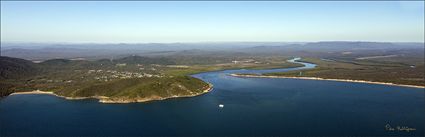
{"points": [[34, 92], [316, 78], [47, 93]]}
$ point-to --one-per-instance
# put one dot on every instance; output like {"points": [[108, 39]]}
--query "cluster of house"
{"points": [[107, 75]]}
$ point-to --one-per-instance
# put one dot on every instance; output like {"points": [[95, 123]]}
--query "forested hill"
{"points": [[128, 79], [14, 68]]}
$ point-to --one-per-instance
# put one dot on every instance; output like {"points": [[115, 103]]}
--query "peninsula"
{"points": [[123, 80], [105, 99]]}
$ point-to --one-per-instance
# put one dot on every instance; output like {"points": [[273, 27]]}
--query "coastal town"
{"points": [[108, 75]]}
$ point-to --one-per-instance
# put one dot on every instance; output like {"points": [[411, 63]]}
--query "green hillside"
{"points": [[13, 72], [131, 78], [139, 78], [141, 88], [14, 68]]}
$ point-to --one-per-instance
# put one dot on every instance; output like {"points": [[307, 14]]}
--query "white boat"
{"points": [[221, 105]]}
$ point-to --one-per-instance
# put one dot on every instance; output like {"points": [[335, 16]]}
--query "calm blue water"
{"points": [[252, 107]]}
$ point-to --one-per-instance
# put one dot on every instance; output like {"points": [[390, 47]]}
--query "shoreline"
{"points": [[340, 80], [104, 99], [154, 98], [33, 92], [53, 94]]}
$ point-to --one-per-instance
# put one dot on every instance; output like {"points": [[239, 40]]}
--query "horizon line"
{"points": [[17, 42]]}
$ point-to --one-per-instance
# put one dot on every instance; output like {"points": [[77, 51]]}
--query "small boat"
{"points": [[221, 105]]}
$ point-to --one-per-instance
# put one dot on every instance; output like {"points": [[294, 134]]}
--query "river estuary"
{"points": [[251, 107]]}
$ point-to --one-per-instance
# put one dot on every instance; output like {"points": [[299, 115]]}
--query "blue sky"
{"points": [[142, 22]]}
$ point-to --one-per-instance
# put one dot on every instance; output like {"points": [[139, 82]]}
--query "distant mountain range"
{"points": [[41, 51]]}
